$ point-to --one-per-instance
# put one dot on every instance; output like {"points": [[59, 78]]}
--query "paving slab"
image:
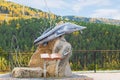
{"points": [[106, 75], [73, 77]]}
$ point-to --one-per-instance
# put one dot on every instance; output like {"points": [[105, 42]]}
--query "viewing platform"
{"points": [[79, 75]]}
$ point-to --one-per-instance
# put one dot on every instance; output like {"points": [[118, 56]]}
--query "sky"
{"points": [[82, 8]]}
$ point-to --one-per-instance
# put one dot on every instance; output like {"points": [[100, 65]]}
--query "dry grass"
{"points": [[3, 72]]}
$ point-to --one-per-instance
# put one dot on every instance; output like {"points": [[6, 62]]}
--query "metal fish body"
{"points": [[58, 31]]}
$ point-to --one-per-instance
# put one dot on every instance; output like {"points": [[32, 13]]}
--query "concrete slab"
{"points": [[100, 75], [106, 75], [74, 77]]}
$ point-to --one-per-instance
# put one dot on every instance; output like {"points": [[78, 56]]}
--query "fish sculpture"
{"points": [[57, 31]]}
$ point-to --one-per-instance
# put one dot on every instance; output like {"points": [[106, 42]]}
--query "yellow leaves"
{"points": [[10, 13], [46, 15], [3, 62], [19, 11], [52, 16], [17, 26], [76, 33], [41, 14], [2, 17]]}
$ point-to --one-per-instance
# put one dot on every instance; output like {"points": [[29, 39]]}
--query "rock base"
{"points": [[37, 74], [23, 72]]}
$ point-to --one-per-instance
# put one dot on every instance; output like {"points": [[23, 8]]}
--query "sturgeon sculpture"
{"points": [[57, 31]]}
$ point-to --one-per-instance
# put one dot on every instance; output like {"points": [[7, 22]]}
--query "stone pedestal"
{"points": [[54, 68], [75, 76], [23, 72]]}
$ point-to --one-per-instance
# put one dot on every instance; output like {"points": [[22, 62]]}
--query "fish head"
{"points": [[69, 28]]}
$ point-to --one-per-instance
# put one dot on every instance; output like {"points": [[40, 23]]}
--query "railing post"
{"points": [[94, 62], [1, 63]]}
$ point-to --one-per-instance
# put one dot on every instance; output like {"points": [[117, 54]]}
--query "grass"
{"points": [[3, 72]]}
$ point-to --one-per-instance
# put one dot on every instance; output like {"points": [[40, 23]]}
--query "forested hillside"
{"points": [[93, 20], [10, 10], [16, 10], [24, 30], [17, 33], [95, 37]]}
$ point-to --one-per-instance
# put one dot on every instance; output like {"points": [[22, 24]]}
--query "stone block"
{"points": [[23, 72]]}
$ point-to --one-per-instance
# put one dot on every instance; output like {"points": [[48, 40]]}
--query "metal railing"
{"points": [[97, 59], [80, 60]]}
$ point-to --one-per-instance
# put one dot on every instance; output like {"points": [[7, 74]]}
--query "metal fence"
{"points": [[96, 60], [80, 60], [9, 60]]}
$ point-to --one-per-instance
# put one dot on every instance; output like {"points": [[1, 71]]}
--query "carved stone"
{"points": [[36, 60], [51, 42], [60, 68], [59, 46], [63, 47]]}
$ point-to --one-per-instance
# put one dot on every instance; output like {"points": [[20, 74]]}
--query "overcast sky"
{"points": [[83, 8]]}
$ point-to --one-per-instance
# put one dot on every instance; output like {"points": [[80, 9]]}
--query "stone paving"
{"points": [[76, 76], [104, 76]]}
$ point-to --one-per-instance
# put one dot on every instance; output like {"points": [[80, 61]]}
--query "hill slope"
{"points": [[93, 20], [14, 9], [10, 10]]}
